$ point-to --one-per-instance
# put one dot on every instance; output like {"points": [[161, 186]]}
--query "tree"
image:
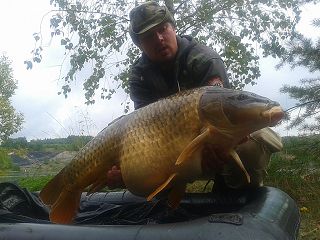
{"points": [[5, 161], [20, 142], [302, 51], [95, 33], [10, 120]]}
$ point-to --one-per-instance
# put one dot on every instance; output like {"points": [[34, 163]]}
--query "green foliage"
{"points": [[76, 142], [305, 52], [34, 183], [20, 142], [71, 143], [296, 170], [7, 83], [305, 147], [96, 33], [5, 161], [10, 120]]}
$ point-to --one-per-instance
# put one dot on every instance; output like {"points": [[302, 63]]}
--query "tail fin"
{"points": [[52, 190], [64, 210], [64, 203]]}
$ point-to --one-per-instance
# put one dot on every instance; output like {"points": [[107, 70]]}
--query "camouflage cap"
{"points": [[146, 16]]}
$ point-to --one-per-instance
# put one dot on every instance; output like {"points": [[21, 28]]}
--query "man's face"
{"points": [[160, 43]]}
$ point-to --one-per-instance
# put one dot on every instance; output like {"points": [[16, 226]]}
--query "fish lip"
{"points": [[274, 115]]}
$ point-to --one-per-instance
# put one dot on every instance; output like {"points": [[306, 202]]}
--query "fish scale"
{"points": [[167, 131]]}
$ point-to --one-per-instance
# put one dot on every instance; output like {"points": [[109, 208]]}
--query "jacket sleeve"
{"points": [[140, 90], [206, 64]]}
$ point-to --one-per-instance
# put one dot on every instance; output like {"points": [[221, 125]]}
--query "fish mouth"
{"points": [[273, 115]]}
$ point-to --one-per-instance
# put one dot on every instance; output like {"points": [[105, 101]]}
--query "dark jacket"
{"points": [[195, 64]]}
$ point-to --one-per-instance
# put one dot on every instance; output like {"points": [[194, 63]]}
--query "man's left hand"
{"points": [[215, 81]]}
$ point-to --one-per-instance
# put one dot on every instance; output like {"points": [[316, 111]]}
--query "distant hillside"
{"points": [[71, 143], [31, 157], [18, 153]]}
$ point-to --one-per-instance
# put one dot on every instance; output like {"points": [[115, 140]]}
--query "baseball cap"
{"points": [[146, 16]]}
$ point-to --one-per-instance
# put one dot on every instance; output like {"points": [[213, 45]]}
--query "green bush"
{"points": [[34, 184], [5, 160]]}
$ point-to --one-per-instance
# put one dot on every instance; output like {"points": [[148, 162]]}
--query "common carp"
{"points": [[158, 147]]}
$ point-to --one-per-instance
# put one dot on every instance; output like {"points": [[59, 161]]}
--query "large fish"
{"points": [[158, 147]]}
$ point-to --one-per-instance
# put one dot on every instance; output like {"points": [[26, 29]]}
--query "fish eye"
{"points": [[239, 97], [242, 97]]}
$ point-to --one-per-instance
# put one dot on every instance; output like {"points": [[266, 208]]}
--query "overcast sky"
{"points": [[48, 115]]}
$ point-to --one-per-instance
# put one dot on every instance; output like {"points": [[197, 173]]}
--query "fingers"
{"points": [[243, 140], [114, 178]]}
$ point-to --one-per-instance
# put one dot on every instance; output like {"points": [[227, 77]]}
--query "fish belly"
{"points": [[155, 138], [94, 160]]}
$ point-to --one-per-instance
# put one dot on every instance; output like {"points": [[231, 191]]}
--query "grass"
{"points": [[34, 184], [299, 176]]}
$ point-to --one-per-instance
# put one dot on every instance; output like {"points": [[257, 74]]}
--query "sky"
{"points": [[49, 115]]}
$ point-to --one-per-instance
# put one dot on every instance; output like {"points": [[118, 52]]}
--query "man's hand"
{"points": [[114, 178], [215, 81]]}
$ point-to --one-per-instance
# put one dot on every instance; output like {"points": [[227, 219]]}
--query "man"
{"points": [[169, 64]]}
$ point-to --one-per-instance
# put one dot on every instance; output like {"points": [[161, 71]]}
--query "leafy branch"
{"points": [[96, 32]]}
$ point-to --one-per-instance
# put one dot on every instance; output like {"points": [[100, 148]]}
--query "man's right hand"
{"points": [[114, 178]]}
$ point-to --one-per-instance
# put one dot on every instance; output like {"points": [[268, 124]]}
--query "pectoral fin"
{"points": [[193, 146], [238, 161], [162, 187]]}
